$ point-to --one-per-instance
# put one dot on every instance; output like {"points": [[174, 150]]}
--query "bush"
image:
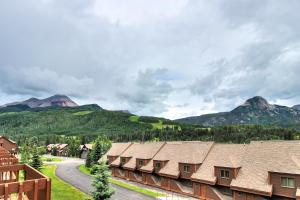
{"points": [[94, 169]]}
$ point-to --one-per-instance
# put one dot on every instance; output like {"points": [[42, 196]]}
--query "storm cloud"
{"points": [[172, 58]]}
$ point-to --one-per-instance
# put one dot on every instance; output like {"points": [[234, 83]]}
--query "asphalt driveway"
{"points": [[69, 172]]}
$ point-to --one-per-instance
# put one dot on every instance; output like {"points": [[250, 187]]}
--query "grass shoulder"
{"points": [[51, 159], [60, 189], [123, 184]]}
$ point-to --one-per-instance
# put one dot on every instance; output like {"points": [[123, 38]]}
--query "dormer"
{"points": [[141, 162], [187, 169], [284, 184], [225, 175], [158, 165], [124, 160], [111, 159]]}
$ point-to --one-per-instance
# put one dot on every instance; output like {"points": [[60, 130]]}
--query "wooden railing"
{"points": [[35, 186]]}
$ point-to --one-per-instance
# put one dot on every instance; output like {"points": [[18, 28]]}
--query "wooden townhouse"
{"points": [[172, 167], [133, 158], [206, 170], [9, 145]]}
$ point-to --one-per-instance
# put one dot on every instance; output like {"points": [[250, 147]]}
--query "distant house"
{"points": [[85, 149], [8, 144], [60, 149]]}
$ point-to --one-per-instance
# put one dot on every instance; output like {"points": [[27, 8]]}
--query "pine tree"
{"points": [[36, 161], [88, 161], [102, 189], [101, 146]]}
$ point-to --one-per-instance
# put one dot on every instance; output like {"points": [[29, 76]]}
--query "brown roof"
{"points": [[264, 157], [140, 151], [118, 148], [221, 155], [6, 138], [180, 152]]}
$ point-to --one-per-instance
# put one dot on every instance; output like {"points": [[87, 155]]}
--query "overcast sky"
{"points": [[170, 58]]}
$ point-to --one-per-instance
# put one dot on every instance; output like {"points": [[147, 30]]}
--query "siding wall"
{"points": [[224, 181], [7, 145], [275, 179]]}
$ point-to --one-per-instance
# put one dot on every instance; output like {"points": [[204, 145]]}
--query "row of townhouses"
{"points": [[207, 170]]}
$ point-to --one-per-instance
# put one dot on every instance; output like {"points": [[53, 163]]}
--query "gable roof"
{"points": [[189, 152], [140, 151], [221, 155], [6, 138], [118, 148], [263, 157]]}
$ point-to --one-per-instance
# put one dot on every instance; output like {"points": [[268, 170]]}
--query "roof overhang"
{"points": [[253, 191]]}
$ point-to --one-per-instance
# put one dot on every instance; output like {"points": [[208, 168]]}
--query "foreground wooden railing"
{"points": [[35, 186]]}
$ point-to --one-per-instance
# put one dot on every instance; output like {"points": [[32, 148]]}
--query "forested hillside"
{"points": [[89, 119]]}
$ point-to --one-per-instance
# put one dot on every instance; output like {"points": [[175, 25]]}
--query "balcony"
{"points": [[35, 185]]}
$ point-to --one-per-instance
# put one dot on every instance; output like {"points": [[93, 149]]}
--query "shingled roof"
{"points": [[140, 151], [118, 148], [221, 155], [262, 158], [193, 152]]}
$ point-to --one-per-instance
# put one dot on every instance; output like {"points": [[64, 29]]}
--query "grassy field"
{"points": [[51, 159], [151, 193], [60, 189], [157, 125]]}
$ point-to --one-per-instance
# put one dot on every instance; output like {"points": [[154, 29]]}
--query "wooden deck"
{"points": [[20, 181]]}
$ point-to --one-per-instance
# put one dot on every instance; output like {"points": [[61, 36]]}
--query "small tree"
{"points": [[102, 189], [101, 146], [36, 161], [88, 161]]}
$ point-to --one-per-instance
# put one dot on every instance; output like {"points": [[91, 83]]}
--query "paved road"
{"points": [[69, 172]]}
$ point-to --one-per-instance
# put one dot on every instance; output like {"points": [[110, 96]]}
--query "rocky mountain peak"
{"points": [[257, 102], [56, 100], [297, 107]]}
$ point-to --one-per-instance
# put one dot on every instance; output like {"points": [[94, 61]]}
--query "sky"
{"points": [[166, 58]]}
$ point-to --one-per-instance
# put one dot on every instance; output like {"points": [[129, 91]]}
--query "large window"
{"points": [[224, 173], [287, 182], [187, 168]]}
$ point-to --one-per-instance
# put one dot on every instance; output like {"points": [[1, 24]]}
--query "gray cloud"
{"points": [[151, 58]]}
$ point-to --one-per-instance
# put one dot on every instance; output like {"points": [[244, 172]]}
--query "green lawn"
{"points": [[60, 189], [51, 159], [85, 170], [151, 193]]}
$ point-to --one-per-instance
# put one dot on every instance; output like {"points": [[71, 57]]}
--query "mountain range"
{"points": [[256, 110]]}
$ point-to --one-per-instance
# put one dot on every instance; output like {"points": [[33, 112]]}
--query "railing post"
{"points": [[48, 190], [21, 191], [36, 190], [6, 192]]}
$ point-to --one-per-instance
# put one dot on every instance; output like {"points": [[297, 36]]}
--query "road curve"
{"points": [[69, 172]]}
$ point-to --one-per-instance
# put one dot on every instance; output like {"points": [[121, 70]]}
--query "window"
{"points": [[157, 165], [224, 173], [287, 182], [123, 161], [186, 168], [141, 162]]}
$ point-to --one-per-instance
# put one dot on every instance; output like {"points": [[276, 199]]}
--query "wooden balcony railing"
{"points": [[35, 185]]}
